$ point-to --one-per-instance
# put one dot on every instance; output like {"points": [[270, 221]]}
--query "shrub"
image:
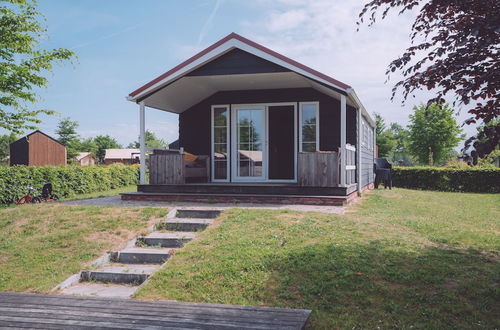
{"points": [[484, 180], [66, 180]]}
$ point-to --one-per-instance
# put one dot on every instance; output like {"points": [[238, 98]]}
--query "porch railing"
{"points": [[318, 169], [166, 168]]}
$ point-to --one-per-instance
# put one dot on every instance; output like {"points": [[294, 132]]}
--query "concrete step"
{"points": [[100, 290], [198, 214], [180, 224], [139, 255], [120, 274], [166, 240]]}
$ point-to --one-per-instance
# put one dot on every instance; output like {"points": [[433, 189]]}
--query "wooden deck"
{"points": [[25, 310], [249, 188]]}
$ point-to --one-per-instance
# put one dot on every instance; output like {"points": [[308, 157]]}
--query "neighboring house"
{"points": [[269, 125], [86, 159], [37, 149], [124, 156]]}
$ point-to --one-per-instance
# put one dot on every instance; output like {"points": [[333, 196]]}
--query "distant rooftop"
{"points": [[128, 153]]}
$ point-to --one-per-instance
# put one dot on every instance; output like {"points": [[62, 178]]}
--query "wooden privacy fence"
{"points": [[318, 169], [166, 168]]}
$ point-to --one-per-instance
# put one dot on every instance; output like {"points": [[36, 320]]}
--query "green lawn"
{"points": [[399, 259], [42, 244], [106, 193]]}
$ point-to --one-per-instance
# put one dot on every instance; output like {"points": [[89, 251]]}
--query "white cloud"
{"points": [[322, 34]]}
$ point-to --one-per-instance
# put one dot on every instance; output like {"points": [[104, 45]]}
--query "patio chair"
{"points": [[383, 172]]}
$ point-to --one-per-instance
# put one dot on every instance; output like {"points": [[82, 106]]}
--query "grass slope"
{"points": [[42, 244], [401, 258]]}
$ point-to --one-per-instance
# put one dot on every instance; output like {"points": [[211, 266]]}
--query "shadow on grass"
{"points": [[374, 285]]}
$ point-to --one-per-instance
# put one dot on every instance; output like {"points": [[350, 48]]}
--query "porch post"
{"points": [[142, 141], [343, 150], [358, 151]]}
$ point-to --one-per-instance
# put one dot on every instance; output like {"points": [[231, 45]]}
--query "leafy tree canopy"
{"points": [[5, 141], [151, 141], [385, 138], [66, 130], [102, 143], [23, 64], [433, 133], [454, 49]]}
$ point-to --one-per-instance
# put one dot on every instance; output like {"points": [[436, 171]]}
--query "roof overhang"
{"points": [[175, 92]]}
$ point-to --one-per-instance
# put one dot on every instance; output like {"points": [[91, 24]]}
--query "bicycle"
{"points": [[26, 199]]}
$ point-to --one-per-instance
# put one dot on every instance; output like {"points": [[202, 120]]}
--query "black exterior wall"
{"points": [[195, 123], [19, 152]]}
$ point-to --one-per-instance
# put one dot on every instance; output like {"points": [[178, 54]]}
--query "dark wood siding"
{"points": [[194, 123], [19, 152], [38, 149], [237, 61], [351, 131]]}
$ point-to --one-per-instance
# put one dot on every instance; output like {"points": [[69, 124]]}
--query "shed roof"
{"points": [[38, 131], [82, 155], [127, 153]]}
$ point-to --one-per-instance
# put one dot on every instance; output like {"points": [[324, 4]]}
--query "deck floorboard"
{"points": [[27, 310]]}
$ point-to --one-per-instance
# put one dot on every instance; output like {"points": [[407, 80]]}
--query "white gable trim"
{"points": [[220, 50]]}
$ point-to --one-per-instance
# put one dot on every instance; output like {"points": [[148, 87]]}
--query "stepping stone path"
{"points": [[124, 271]]}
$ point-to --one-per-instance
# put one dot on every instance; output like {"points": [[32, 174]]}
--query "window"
{"points": [[309, 127], [220, 140], [364, 132]]}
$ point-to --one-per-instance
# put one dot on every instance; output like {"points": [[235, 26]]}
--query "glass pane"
{"points": [[309, 147], [220, 135], [220, 170], [220, 150], [220, 142], [309, 133], [250, 132], [220, 117], [308, 114]]}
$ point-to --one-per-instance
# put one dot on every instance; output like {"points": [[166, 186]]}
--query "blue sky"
{"points": [[122, 44]]}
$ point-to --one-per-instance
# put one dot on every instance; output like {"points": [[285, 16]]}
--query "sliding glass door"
{"points": [[249, 136]]}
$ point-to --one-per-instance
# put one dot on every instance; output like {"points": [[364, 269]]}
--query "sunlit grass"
{"points": [[399, 259], [42, 244]]}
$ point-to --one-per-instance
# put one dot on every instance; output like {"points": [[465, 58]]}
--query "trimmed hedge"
{"points": [[478, 180], [66, 180]]}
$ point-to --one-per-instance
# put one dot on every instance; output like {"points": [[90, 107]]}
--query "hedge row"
{"points": [[66, 180], [448, 179]]}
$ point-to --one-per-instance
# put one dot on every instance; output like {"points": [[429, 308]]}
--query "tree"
{"points": [[485, 142], [433, 133], [385, 138], [400, 154], [66, 130], [5, 141], [151, 141], [87, 145], [104, 142], [454, 49], [23, 64]]}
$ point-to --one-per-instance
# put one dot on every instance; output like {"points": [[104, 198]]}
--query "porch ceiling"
{"points": [[187, 91]]}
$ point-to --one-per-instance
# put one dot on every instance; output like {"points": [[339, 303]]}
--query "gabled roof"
{"points": [[177, 89], [128, 153], [82, 155], [38, 131], [231, 41]]}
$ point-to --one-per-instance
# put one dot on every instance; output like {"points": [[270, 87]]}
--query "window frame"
{"points": [[301, 104], [228, 144]]}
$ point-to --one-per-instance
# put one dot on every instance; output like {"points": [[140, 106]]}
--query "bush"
{"points": [[66, 180], [480, 180]]}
